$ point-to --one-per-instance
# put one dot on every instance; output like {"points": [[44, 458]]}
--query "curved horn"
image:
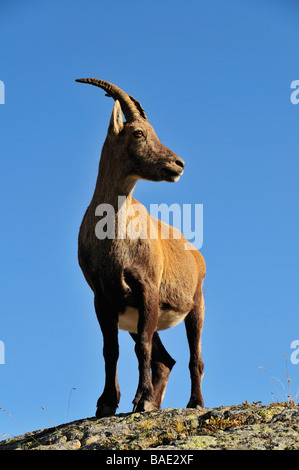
{"points": [[130, 107]]}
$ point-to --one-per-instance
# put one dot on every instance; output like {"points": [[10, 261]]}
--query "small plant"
{"points": [[22, 427], [286, 404], [288, 400], [179, 426], [214, 424]]}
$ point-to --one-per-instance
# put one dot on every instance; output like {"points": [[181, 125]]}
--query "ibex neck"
{"points": [[112, 183]]}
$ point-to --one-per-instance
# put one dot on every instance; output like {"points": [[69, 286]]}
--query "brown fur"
{"points": [[155, 281]]}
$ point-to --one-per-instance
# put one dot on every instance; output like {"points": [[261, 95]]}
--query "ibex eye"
{"points": [[138, 134]]}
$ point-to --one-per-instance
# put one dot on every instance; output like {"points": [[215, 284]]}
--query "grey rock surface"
{"points": [[236, 427]]}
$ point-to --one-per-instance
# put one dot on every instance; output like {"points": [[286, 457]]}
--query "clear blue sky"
{"points": [[214, 78]]}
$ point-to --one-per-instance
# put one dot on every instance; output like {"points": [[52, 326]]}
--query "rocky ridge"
{"points": [[237, 427]]}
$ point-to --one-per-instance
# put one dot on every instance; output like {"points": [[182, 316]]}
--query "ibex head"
{"points": [[134, 143]]}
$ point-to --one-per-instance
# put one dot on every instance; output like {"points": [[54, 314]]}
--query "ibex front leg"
{"points": [[108, 401], [148, 316]]}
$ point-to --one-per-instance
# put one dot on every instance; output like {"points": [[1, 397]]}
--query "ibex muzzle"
{"points": [[141, 285]]}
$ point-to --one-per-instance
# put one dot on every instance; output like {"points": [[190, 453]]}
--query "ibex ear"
{"points": [[116, 120]]}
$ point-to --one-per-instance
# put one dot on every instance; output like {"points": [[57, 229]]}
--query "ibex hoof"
{"points": [[105, 410], [144, 406], [194, 403]]}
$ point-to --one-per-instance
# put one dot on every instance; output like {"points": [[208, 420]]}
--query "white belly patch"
{"points": [[128, 320]]}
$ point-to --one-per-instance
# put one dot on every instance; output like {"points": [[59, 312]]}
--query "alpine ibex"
{"points": [[144, 284]]}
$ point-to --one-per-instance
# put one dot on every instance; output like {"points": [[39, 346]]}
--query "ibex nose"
{"points": [[180, 163]]}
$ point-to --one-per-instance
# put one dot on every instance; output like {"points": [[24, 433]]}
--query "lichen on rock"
{"points": [[244, 427]]}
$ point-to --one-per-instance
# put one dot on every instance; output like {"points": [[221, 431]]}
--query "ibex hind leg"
{"points": [[147, 301], [194, 324], [161, 365]]}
